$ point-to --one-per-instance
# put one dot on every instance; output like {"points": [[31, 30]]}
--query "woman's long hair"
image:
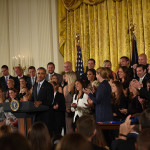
{"points": [[76, 91], [126, 72], [117, 97], [72, 77], [38, 136], [3, 99]]}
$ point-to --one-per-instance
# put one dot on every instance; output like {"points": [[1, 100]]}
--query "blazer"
{"points": [[146, 78], [46, 95], [30, 80], [103, 102], [59, 114], [3, 83], [60, 100], [80, 105]]}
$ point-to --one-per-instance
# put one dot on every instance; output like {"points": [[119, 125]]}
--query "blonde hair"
{"points": [[95, 83], [103, 72], [105, 62], [11, 81], [72, 77]]}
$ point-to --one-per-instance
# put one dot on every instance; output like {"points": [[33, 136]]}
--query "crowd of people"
{"points": [[77, 102]]}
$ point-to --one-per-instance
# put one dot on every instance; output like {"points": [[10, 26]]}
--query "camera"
{"points": [[21, 95]]}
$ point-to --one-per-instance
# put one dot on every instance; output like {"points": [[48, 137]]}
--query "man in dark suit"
{"points": [[19, 73], [142, 76], [6, 76], [43, 93], [32, 74], [51, 71]]}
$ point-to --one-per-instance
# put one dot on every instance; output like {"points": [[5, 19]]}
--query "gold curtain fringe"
{"points": [[74, 4]]}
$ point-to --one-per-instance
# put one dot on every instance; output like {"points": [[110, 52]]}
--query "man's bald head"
{"points": [[67, 66], [142, 59]]}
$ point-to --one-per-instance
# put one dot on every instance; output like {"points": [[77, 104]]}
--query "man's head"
{"points": [[5, 70], [141, 71], [86, 125], [142, 60], [145, 119], [41, 74], [67, 66], [50, 67], [124, 61], [32, 71], [143, 141], [19, 71], [91, 63]]}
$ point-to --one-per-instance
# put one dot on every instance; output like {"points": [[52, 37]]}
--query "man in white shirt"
{"points": [[142, 75]]}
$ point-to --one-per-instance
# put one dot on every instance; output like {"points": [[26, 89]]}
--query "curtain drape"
{"points": [[28, 28], [104, 29]]}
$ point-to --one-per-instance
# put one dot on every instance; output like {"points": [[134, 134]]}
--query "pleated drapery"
{"points": [[104, 28]]}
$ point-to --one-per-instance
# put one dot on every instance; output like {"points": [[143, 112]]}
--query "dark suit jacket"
{"points": [[46, 95], [17, 82], [31, 81], [102, 100], [59, 120], [3, 83], [146, 78]]}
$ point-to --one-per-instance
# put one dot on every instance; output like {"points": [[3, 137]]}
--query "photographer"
{"points": [[124, 142]]}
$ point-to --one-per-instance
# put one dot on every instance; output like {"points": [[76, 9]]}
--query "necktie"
{"points": [[38, 88], [140, 81], [6, 79], [32, 81]]}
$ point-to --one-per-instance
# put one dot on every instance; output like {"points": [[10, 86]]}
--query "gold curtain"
{"points": [[104, 29]]}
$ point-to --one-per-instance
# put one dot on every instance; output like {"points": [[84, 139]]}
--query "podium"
{"points": [[25, 114]]}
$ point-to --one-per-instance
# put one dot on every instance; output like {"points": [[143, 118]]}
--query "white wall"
{"points": [[29, 28]]}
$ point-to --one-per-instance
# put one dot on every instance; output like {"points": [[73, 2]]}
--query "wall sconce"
{"points": [[19, 61]]}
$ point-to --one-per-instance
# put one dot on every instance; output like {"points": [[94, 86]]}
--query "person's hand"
{"points": [[74, 105], [125, 127], [114, 114], [136, 84], [55, 106], [68, 110], [37, 103], [87, 91], [134, 66], [141, 100], [89, 104], [123, 111]]}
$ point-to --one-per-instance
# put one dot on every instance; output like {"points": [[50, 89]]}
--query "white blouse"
{"points": [[81, 108]]}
